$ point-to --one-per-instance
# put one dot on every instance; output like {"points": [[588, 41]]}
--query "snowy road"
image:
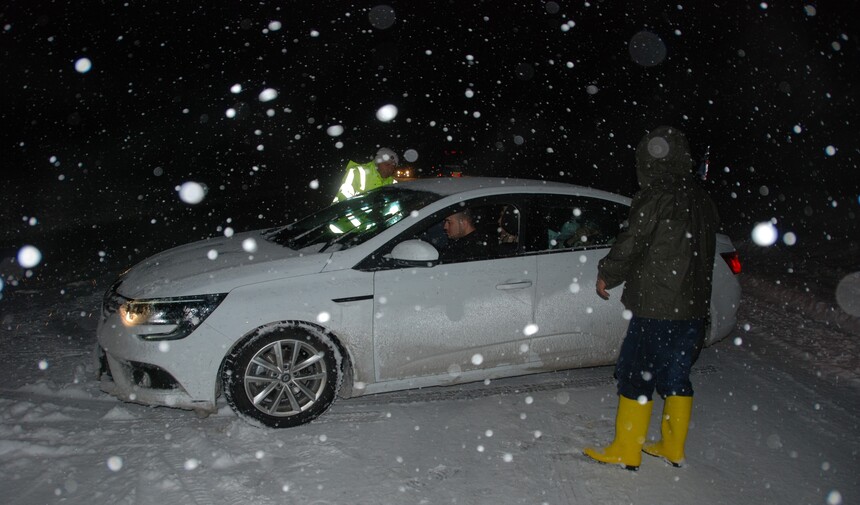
{"points": [[775, 421]]}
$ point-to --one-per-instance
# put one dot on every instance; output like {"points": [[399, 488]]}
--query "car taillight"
{"points": [[733, 261]]}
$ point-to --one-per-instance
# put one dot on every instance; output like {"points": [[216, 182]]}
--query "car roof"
{"points": [[447, 186]]}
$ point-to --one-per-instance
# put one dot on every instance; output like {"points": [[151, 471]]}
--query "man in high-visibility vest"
{"points": [[364, 177]]}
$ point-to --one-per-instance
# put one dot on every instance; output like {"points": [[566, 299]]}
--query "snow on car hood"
{"points": [[216, 265]]}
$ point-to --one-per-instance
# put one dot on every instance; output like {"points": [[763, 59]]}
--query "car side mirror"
{"points": [[414, 250]]}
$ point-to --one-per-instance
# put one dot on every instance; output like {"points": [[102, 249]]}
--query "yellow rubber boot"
{"points": [[631, 426], [673, 430]]}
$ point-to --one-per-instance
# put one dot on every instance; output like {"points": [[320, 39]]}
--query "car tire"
{"points": [[283, 377]]}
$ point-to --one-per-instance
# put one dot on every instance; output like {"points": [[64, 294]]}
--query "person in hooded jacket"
{"points": [[665, 259]]}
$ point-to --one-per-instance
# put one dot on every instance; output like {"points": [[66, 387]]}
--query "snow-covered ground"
{"points": [[775, 419]]}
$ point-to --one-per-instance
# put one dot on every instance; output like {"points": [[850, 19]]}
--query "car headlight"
{"points": [[168, 318]]}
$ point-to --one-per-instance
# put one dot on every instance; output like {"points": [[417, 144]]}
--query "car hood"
{"points": [[216, 265]]}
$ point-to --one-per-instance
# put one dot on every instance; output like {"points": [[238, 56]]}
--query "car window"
{"points": [[351, 222], [496, 230], [573, 222]]}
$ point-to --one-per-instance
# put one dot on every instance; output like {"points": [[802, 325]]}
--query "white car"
{"points": [[355, 300]]}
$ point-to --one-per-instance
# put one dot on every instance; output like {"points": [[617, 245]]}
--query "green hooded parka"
{"points": [[666, 255]]}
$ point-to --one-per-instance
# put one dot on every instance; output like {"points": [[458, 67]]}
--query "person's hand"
{"points": [[601, 289]]}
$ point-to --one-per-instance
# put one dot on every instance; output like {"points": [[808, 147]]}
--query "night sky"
{"points": [[550, 90]]}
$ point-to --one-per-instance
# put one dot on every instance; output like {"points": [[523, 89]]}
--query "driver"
{"points": [[464, 239]]}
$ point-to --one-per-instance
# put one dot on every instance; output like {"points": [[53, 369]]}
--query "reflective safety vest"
{"points": [[360, 178]]}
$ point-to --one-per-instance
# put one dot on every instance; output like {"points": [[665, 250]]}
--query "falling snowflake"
{"points": [[83, 65], [386, 113]]}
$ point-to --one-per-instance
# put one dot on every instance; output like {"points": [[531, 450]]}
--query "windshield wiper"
{"points": [[336, 239]]}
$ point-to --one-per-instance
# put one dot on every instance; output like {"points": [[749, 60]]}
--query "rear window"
{"points": [[574, 222]]}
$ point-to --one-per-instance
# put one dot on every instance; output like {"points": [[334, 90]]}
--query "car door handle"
{"points": [[514, 285]]}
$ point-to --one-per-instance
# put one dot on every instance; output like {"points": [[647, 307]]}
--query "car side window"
{"points": [[495, 229], [574, 222]]}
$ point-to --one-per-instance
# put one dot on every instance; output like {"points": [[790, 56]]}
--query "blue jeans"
{"points": [[657, 353]]}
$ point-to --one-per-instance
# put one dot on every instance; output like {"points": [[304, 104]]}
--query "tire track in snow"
{"points": [[195, 488], [43, 481], [564, 472]]}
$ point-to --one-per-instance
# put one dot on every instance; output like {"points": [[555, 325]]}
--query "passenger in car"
{"points": [[576, 231], [464, 239], [508, 229]]}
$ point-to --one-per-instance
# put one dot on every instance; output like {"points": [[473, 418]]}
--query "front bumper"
{"points": [[145, 384], [180, 373]]}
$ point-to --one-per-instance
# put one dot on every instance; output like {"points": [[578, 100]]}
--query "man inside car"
{"points": [[465, 241]]}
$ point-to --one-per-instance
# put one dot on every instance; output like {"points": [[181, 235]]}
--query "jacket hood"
{"points": [[663, 152]]}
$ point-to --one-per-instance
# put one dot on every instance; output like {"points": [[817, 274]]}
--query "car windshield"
{"points": [[351, 222]]}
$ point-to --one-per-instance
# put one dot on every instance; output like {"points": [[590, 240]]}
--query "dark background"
{"points": [[91, 161]]}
